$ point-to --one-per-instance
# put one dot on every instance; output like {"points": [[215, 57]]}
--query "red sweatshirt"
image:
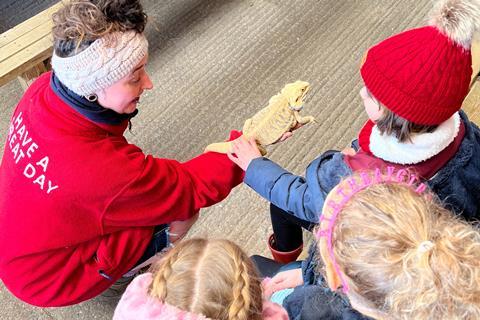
{"points": [[76, 199]]}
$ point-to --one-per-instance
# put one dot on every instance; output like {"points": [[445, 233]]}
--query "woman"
{"points": [[80, 206]]}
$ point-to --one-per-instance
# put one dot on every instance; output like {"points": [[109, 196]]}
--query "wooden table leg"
{"points": [[28, 76]]}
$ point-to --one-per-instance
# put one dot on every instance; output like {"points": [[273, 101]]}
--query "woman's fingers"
{"points": [[285, 136]]}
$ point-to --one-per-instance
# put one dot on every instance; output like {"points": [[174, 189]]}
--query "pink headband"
{"points": [[355, 186]]}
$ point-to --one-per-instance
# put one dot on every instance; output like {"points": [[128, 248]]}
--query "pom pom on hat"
{"points": [[423, 74], [457, 19]]}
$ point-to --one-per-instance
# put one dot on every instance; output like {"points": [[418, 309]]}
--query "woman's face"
{"points": [[372, 106], [124, 95]]}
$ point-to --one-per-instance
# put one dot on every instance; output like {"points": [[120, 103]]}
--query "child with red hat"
{"points": [[414, 86]]}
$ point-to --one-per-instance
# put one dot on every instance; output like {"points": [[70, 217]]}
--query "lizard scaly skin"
{"points": [[280, 116]]}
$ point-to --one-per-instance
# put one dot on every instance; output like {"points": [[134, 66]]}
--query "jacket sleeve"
{"points": [[166, 190], [310, 266], [314, 300], [302, 197], [273, 311]]}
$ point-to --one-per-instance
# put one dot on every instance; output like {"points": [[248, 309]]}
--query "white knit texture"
{"points": [[103, 63], [423, 146]]}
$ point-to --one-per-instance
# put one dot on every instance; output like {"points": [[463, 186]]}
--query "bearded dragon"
{"points": [[269, 124]]}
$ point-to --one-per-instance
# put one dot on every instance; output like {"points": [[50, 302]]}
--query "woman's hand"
{"points": [[179, 229], [288, 134], [243, 152], [282, 280], [284, 136]]}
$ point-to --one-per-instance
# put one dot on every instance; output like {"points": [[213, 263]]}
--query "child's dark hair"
{"points": [[80, 22], [401, 128], [392, 124]]}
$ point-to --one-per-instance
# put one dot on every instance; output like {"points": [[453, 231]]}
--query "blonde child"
{"points": [[389, 250], [199, 279], [414, 86]]}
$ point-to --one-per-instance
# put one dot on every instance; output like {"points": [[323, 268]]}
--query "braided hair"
{"points": [[214, 278]]}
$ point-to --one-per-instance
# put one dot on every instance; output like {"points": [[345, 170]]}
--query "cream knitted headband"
{"points": [[103, 63]]}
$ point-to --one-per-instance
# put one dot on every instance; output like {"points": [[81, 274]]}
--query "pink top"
{"points": [[136, 303]]}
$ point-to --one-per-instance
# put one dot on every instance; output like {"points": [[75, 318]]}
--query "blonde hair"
{"points": [[406, 256], [214, 278]]}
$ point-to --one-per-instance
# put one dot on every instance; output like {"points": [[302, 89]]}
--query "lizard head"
{"points": [[295, 94]]}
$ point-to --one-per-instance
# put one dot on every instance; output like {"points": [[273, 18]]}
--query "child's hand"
{"points": [[349, 151], [178, 229], [245, 151], [282, 280]]}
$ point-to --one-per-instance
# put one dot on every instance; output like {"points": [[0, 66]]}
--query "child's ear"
{"points": [[333, 279], [364, 58]]}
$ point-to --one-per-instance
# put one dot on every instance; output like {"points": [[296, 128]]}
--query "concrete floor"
{"points": [[214, 64], [13, 12]]}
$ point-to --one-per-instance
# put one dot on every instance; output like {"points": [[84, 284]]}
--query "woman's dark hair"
{"points": [[401, 128], [80, 22]]}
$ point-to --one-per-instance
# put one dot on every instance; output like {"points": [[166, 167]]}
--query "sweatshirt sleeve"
{"points": [[302, 197], [166, 190]]}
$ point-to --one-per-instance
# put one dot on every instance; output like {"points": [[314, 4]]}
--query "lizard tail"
{"points": [[220, 147]]}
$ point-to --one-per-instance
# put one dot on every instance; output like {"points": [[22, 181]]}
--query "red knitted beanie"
{"points": [[423, 74]]}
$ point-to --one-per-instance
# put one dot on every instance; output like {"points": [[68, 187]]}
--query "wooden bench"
{"points": [[475, 58], [471, 104], [25, 48]]}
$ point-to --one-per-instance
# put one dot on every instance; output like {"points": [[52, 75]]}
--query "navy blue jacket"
{"points": [[314, 300], [457, 183]]}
